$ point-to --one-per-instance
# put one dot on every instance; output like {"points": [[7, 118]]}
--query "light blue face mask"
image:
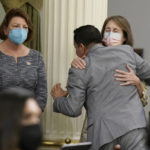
{"points": [[18, 36]]}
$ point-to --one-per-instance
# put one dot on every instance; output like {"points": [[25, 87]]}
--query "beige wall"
{"points": [[59, 19]]}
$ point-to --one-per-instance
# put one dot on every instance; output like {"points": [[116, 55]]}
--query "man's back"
{"points": [[112, 110]]}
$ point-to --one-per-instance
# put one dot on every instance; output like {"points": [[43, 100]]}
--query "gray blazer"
{"points": [[112, 110]]}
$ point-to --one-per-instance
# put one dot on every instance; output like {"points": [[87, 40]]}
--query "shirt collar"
{"points": [[93, 48]]}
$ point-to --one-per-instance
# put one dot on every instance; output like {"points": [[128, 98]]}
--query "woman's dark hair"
{"points": [[124, 25], [86, 35], [12, 101], [15, 12]]}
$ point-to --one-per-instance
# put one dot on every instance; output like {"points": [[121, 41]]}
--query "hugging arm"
{"points": [[142, 69], [73, 103], [129, 78]]}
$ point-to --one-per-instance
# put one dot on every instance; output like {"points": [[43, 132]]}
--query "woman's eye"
{"points": [[116, 30], [107, 30], [25, 27]]}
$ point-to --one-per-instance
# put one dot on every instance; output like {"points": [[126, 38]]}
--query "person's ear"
{"points": [[6, 31], [83, 47]]}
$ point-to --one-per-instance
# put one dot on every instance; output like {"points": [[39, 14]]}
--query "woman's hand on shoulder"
{"points": [[78, 63]]}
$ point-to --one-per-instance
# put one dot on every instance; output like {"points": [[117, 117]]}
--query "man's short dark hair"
{"points": [[87, 34]]}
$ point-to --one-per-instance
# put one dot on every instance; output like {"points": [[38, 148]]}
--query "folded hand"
{"points": [[57, 91]]}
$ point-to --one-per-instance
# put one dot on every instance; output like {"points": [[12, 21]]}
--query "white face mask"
{"points": [[112, 39]]}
